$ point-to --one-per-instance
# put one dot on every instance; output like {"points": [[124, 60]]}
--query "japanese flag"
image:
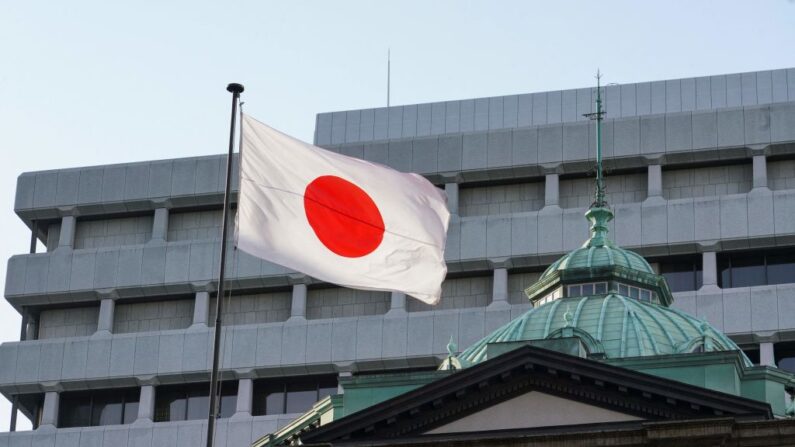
{"points": [[339, 219]]}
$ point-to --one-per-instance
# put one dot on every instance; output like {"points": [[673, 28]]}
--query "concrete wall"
{"points": [[253, 308], [501, 199], [69, 322], [195, 225], [458, 293], [707, 181], [113, 232], [517, 283], [53, 235], [631, 142], [781, 174], [337, 302], [625, 188], [153, 316], [566, 106]]}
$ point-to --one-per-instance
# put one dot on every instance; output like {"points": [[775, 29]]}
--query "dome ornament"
{"points": [[451, 363], [567, 317]]}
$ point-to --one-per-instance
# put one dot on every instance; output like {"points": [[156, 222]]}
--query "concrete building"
{"points": [[701, 181]]}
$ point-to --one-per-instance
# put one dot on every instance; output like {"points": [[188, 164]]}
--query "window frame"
{"points": [[92, 396]]}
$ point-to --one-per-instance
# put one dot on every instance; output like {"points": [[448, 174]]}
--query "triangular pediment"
{"points": [[532, 410], [530, 388]]}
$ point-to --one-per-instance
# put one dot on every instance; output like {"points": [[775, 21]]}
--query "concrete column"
{"points": [[342, 375], [655, 181], [767, 356], [552, 190], [398, 304], [451, 189], [146, 404], [245, 396], [710, 270], [107, 308], [760, 171], [298, 308], [67, 235], [49, 411], [201, 310], [499, 294], [160, 225]]}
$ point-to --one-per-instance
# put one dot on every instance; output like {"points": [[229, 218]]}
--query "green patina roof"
{"points": [[609, 325], [599, 250]]}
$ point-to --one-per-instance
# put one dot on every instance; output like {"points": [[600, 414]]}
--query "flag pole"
{"points": [[236, 90]]}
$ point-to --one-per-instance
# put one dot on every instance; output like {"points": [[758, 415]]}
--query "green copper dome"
{"points": [[610, 326], [599, 250]]}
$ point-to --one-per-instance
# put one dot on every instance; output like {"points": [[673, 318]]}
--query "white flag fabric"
{"points": [[339, 219]]}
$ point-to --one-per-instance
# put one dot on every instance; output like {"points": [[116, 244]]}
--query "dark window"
{"points": [[752, 352], [756, 268], [780, 268], [785, 355], [682, 274], [192, 401], [95, 408], [291, 395]]}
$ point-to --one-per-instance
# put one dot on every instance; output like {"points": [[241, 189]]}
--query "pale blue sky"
{"points": [[97, 82]]}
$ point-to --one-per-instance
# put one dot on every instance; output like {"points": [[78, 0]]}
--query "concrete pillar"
{"points": [[160, 225], [245, 396], [298, 308], [710, 270], [655, 181], [760, 171], [201, 309], [767, 356], [499, 293], [146, 404], [107, 307], [552, 190], [67, 235], [451, 189], [398, 304], [49, 411], [342, 375]]}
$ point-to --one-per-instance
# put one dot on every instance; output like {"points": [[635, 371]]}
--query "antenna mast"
{"points": [[388, 73]]}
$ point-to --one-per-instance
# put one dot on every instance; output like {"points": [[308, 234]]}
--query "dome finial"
{"points": [[599, 214]]}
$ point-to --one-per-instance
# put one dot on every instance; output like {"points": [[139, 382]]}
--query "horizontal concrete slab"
{"points": [[654, 227], [475, 156]]}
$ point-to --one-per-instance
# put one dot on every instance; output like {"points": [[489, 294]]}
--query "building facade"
{"points": [[701, 179]]}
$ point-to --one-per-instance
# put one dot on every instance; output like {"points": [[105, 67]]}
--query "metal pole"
{"points": [[236, 90], [23, 330]]}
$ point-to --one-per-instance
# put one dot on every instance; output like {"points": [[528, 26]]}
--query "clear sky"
{"points": [[98, 82]]}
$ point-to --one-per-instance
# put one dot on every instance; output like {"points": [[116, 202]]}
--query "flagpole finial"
{"points": [[235, 88]]}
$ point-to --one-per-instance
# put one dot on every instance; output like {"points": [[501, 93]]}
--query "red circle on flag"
{"points": [[343, 216]]}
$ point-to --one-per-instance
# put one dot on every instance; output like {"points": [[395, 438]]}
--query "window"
{"points": [[637, 293], [756, 268], [95, 408], [192, 401], [552, 296], [291, 395], [598, 288], [784, 353], [682, 274]]}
